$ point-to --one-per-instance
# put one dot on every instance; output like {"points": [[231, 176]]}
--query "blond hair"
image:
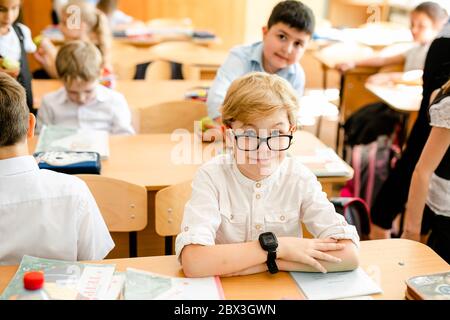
{"points": [[13, 111], [258, 95], [97, 22], [79, 60]]}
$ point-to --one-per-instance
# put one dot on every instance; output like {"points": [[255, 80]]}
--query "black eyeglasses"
{"points": [[275, 143]]}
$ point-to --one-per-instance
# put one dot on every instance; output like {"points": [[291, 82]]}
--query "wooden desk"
{"points": [[146, 160], [389, 262], [139, 93], [401, 98]]}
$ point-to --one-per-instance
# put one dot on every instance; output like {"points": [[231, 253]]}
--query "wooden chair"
{"points": [[169, 116], [123, 205], [169, 204]]}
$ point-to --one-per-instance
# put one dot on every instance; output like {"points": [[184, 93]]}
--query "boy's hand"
{"points": [[308, 251], [345, 66]]}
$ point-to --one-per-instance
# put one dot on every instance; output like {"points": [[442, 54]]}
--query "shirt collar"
{"points": [[18, 165], [257, 56]]}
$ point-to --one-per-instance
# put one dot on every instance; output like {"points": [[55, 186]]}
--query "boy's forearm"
{"points": [[223, 259]]}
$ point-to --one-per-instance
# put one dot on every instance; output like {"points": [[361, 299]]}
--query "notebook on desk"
{"points": [[57, 138], [324, 162]]}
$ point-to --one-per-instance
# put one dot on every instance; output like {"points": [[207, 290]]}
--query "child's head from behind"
{"points": [[81, 20], [427, 19], [287, 35], [258, 106], [9, 12], [79, 66], [14, 114]]}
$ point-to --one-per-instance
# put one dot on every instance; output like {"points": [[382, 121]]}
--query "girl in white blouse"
{"points": [[430, 183], [259, 189]]}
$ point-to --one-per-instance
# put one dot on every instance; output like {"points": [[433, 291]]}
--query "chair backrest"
{"points": [[125, 57], [169, 116], [123, 205], [169, 203]]}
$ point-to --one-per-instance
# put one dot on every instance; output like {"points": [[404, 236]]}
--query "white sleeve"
{"points": [[121, 117], [320, 217], [94, 240], [201, 218], [440, 114], [29, 45]]}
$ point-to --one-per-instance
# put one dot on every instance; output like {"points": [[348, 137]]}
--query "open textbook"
{"points": [[57, 138], [141, 285], [67, 280], [335, 285]]}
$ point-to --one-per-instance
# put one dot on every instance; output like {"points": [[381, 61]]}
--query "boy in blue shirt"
{"points": [[285, 39]]}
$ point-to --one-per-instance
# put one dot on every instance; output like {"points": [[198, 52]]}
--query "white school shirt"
{"points": [[109, 111], [48, 215], [227, 207], [10, 43]]}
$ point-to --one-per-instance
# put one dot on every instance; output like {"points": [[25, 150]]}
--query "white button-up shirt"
{"points": [[10, 43], [48, 215], [227, 207], [107, 112]]}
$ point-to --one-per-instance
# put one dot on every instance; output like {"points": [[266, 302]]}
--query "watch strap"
{"points": [[271, 262]]}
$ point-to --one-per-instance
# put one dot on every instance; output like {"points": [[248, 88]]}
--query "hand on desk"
{"points": [[345, 66]]}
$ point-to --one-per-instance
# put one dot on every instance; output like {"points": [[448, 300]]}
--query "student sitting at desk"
{"points": [[42, 213], [285, 39], [430, 182], [83, 102], [116, 17], [15, 43], [244, 203], [93, 26], [427, 19]]}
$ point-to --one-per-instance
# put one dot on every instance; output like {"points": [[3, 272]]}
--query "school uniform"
{"points": [[227, 207], [242, 60], [438, 200], [16, 44], [48, 215], [109, 111]]}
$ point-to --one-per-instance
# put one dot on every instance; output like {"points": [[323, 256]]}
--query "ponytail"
{"points": [[104, 38]]}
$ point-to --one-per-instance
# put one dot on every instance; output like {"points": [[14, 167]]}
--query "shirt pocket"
{"points": [[233, 228], [283, 222]]}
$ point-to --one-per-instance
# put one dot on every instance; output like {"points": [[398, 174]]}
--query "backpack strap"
{"points": [[24, 77]]}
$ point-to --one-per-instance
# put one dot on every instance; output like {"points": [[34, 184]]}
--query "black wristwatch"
{"points": [[269, 243]]}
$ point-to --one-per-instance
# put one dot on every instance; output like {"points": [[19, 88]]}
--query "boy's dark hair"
{"points": [[433, 10], [14, 111], [294, 14]]}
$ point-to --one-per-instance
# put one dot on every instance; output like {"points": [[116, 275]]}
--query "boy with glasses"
{"points": [[246, 208]]}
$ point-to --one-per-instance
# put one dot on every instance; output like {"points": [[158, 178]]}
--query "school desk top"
{"points": [[402, 98], [139, 93], [389, 262], [147, 159]]}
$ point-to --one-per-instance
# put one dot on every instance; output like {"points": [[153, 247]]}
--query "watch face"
{"points": [[269, 240]]}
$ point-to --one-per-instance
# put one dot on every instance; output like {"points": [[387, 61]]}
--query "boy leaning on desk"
{"points": [[246, 208], [285, 39]]}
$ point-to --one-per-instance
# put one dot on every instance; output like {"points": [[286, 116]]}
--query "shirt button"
{"points": [[231, 217], [186, 229], [258, 227], [258, 185], [282, 218], [258, 196]]}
